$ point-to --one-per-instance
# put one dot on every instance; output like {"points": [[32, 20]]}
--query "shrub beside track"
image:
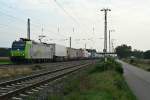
{"points": [[17, 86]]}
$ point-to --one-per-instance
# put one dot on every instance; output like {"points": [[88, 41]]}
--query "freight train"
{"points": [[29, 51]]}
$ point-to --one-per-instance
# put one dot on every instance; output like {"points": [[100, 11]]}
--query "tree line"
{"points": [[125, 51], [4, 52]]}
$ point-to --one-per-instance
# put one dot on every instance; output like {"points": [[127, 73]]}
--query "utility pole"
{"points": [[28, 29], [58, 30], [113, 49], [73, 29], [110, 39], [109, 42], [105, 31], [93, 30], [70, 41], [41, 36], [71, 38]]}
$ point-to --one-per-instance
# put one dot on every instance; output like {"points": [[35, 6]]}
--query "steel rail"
{"points": [[33, 76], [59, 74]]}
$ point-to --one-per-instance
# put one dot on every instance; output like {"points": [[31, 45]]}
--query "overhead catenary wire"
{"points": [[34, 25], [66, 12], [37, 25], [18, 27], [74, 19]]}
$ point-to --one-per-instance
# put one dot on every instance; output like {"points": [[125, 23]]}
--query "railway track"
{"points": [[11, 65], [12, 88], [36, 68], [18, 65]]}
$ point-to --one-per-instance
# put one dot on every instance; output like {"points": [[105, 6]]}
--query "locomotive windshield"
{"points": [[18, 45]]}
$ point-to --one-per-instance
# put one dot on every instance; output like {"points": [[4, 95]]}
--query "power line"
{"points": [[33, 24], [65, 11], [71, 16], [21, 20], [11, 16], [61, 8], [2, 26]]}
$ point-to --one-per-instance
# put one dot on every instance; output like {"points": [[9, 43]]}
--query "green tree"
{"points": [[147, 54], [4, 52], [137, 53], [123, 51]]}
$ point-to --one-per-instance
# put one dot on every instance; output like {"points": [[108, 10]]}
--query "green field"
{"points": [[104, 82], [5, 60], [141, 63]]}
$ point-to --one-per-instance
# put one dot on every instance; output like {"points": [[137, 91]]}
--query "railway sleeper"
{"points": [[44, 82]]}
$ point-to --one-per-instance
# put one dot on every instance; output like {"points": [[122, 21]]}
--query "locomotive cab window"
{"points": [[18, 46]]}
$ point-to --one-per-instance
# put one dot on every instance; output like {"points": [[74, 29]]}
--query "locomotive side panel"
{"points": [[41, 51]]}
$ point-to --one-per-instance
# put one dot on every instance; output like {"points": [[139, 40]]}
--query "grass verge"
{"points": [[140, 63], [5, 60], [103, 82], [13, 72]]}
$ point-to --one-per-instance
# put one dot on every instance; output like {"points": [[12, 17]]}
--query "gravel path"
{"points": [[138, 80]]}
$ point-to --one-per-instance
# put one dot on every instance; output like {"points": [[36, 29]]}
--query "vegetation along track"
{"points": [[33, 64], [12, 88], [18, 65]]}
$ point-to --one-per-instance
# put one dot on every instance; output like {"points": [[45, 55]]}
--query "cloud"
{"points": [[130, 19]]}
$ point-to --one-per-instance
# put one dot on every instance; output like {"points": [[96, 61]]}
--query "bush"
{"points": [[120, 84], [148, 69], [132, 61], [118, 68], [111, 64]]}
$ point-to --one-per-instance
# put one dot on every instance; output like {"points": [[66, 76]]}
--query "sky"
{"points": [[80, 19]]}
